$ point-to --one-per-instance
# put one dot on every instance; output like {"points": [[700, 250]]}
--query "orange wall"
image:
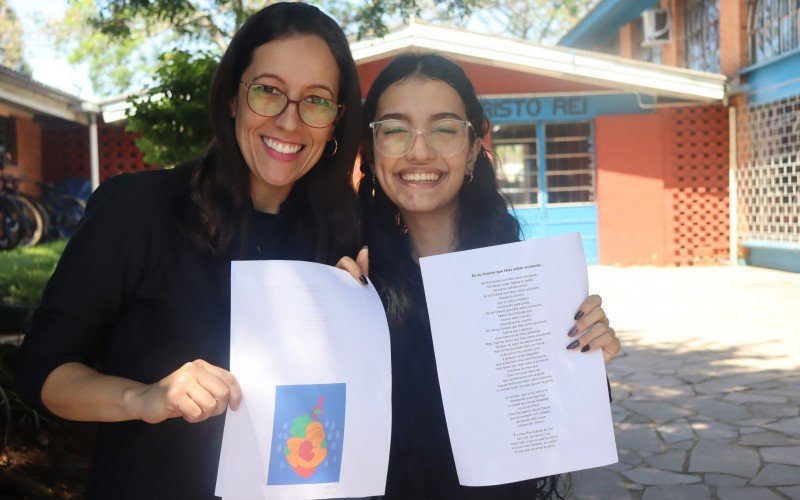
{"points": [[630, 189], [662, 187], [29, 155]]}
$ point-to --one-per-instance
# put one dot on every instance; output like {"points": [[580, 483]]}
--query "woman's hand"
{"points": [[592, 331], [359, 268], [196, 392]]}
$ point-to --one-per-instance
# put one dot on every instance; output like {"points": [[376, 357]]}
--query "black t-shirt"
{"points": [[133, 297]]}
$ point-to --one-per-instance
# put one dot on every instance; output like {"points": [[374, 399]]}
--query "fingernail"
{"points": [[365, 247], [573, 344], [585, 348], [572, 331], [363, 279], [578, 315]]}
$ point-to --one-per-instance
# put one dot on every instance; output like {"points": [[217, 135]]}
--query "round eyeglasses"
{"points": [[445, 138], [314, 111]]}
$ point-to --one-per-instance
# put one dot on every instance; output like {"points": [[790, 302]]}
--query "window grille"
{"points": [[517, 171], [768, 174], [772, 28], [649, 54], [569, 170], [701, 26]]}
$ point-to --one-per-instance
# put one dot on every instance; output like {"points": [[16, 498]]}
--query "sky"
{"points": [[48, 66]]}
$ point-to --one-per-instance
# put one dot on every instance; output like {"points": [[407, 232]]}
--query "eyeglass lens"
{"points": [[313, 110], [445, 138]]}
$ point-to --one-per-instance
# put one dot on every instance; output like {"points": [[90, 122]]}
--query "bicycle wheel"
{"points": [[70, 212], [32, 224], [9, 224]]}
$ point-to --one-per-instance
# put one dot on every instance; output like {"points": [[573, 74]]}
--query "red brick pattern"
{"points": [[66, 152], [696, 184]]}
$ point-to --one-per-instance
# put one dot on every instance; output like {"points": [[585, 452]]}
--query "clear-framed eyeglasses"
{"points": [[314, 111], [445, 138]]}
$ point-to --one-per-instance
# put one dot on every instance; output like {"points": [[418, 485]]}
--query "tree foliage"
{"points": [[173, 118], [122, 41], [11, 40]]}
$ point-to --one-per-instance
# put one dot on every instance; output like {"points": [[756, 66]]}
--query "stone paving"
{"points": [[707, 387]]}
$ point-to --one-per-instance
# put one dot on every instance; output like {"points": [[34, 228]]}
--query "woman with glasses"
{"points": [[429, 188], [133, 330]]}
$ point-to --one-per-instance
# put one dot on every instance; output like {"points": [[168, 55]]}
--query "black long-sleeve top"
{"points": [[421, 463], [133, 297]]}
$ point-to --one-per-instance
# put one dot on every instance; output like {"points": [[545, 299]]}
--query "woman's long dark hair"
{"points": [[321, 208], [483, 218]]}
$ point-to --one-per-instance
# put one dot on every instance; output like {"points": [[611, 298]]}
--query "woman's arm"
{"points": [[196, 391]]}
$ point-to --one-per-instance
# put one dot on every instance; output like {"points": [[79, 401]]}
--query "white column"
{"points": [[94, 154]]}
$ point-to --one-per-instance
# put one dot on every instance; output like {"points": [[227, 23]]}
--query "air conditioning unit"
{"points": [[655, 27]]}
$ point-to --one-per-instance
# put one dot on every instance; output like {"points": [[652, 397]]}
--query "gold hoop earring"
{"points": [[335, 147]]}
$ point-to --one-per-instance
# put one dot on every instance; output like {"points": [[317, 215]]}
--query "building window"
{"points": [[642, 53], [701, 25], [772, 28], [569, 169], [517, 169], [8, 141]]}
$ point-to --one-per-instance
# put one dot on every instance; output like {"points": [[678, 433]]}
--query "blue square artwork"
{"points": [[307, 434]]}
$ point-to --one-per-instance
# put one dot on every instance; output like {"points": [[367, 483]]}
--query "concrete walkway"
{"points": [[707, 388]]}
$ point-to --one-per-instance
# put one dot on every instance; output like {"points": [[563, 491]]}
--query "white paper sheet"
{"points": [[518, 404], [310, 349]]}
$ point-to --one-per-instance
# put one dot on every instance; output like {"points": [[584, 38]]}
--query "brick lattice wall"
{"points": [[66, 152], [696, 184]]}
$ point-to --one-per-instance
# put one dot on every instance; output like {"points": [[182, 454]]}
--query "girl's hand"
{"points": [[359, 268], [196, 392], [592, 331]]}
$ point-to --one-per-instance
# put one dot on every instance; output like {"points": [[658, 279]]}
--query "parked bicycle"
{"points": [[26, 221]]}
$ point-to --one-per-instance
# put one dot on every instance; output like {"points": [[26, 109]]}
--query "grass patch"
{"points": [[25, 271]]}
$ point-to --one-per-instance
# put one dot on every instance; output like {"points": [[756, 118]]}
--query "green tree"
{"points": [[538, 20], [173, 117], [11, 40], [122, 41]]}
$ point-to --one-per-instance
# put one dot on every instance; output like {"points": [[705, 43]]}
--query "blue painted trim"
{"points": [[777, 245], [537, 222], [508, 110], [774, 258], [603, 21], [773, 80]]}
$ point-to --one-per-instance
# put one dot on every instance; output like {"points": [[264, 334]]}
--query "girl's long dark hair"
{"points": [[321, 208], [483, 218]]}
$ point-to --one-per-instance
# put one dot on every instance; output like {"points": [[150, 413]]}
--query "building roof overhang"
{"points": [[603, 21], [23, 92], [613, 72]]}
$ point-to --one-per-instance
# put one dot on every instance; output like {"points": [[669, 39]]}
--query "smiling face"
{"points": [[280, 149], [421, 182]]}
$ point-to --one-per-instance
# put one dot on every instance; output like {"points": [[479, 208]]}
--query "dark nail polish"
{"points": [[363, 279], [574, 344], [578, 315], [572, 331], [585, 348]]}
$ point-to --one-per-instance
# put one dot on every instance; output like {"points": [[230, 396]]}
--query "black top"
{"points": [[421, 464], [133, 297]]}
